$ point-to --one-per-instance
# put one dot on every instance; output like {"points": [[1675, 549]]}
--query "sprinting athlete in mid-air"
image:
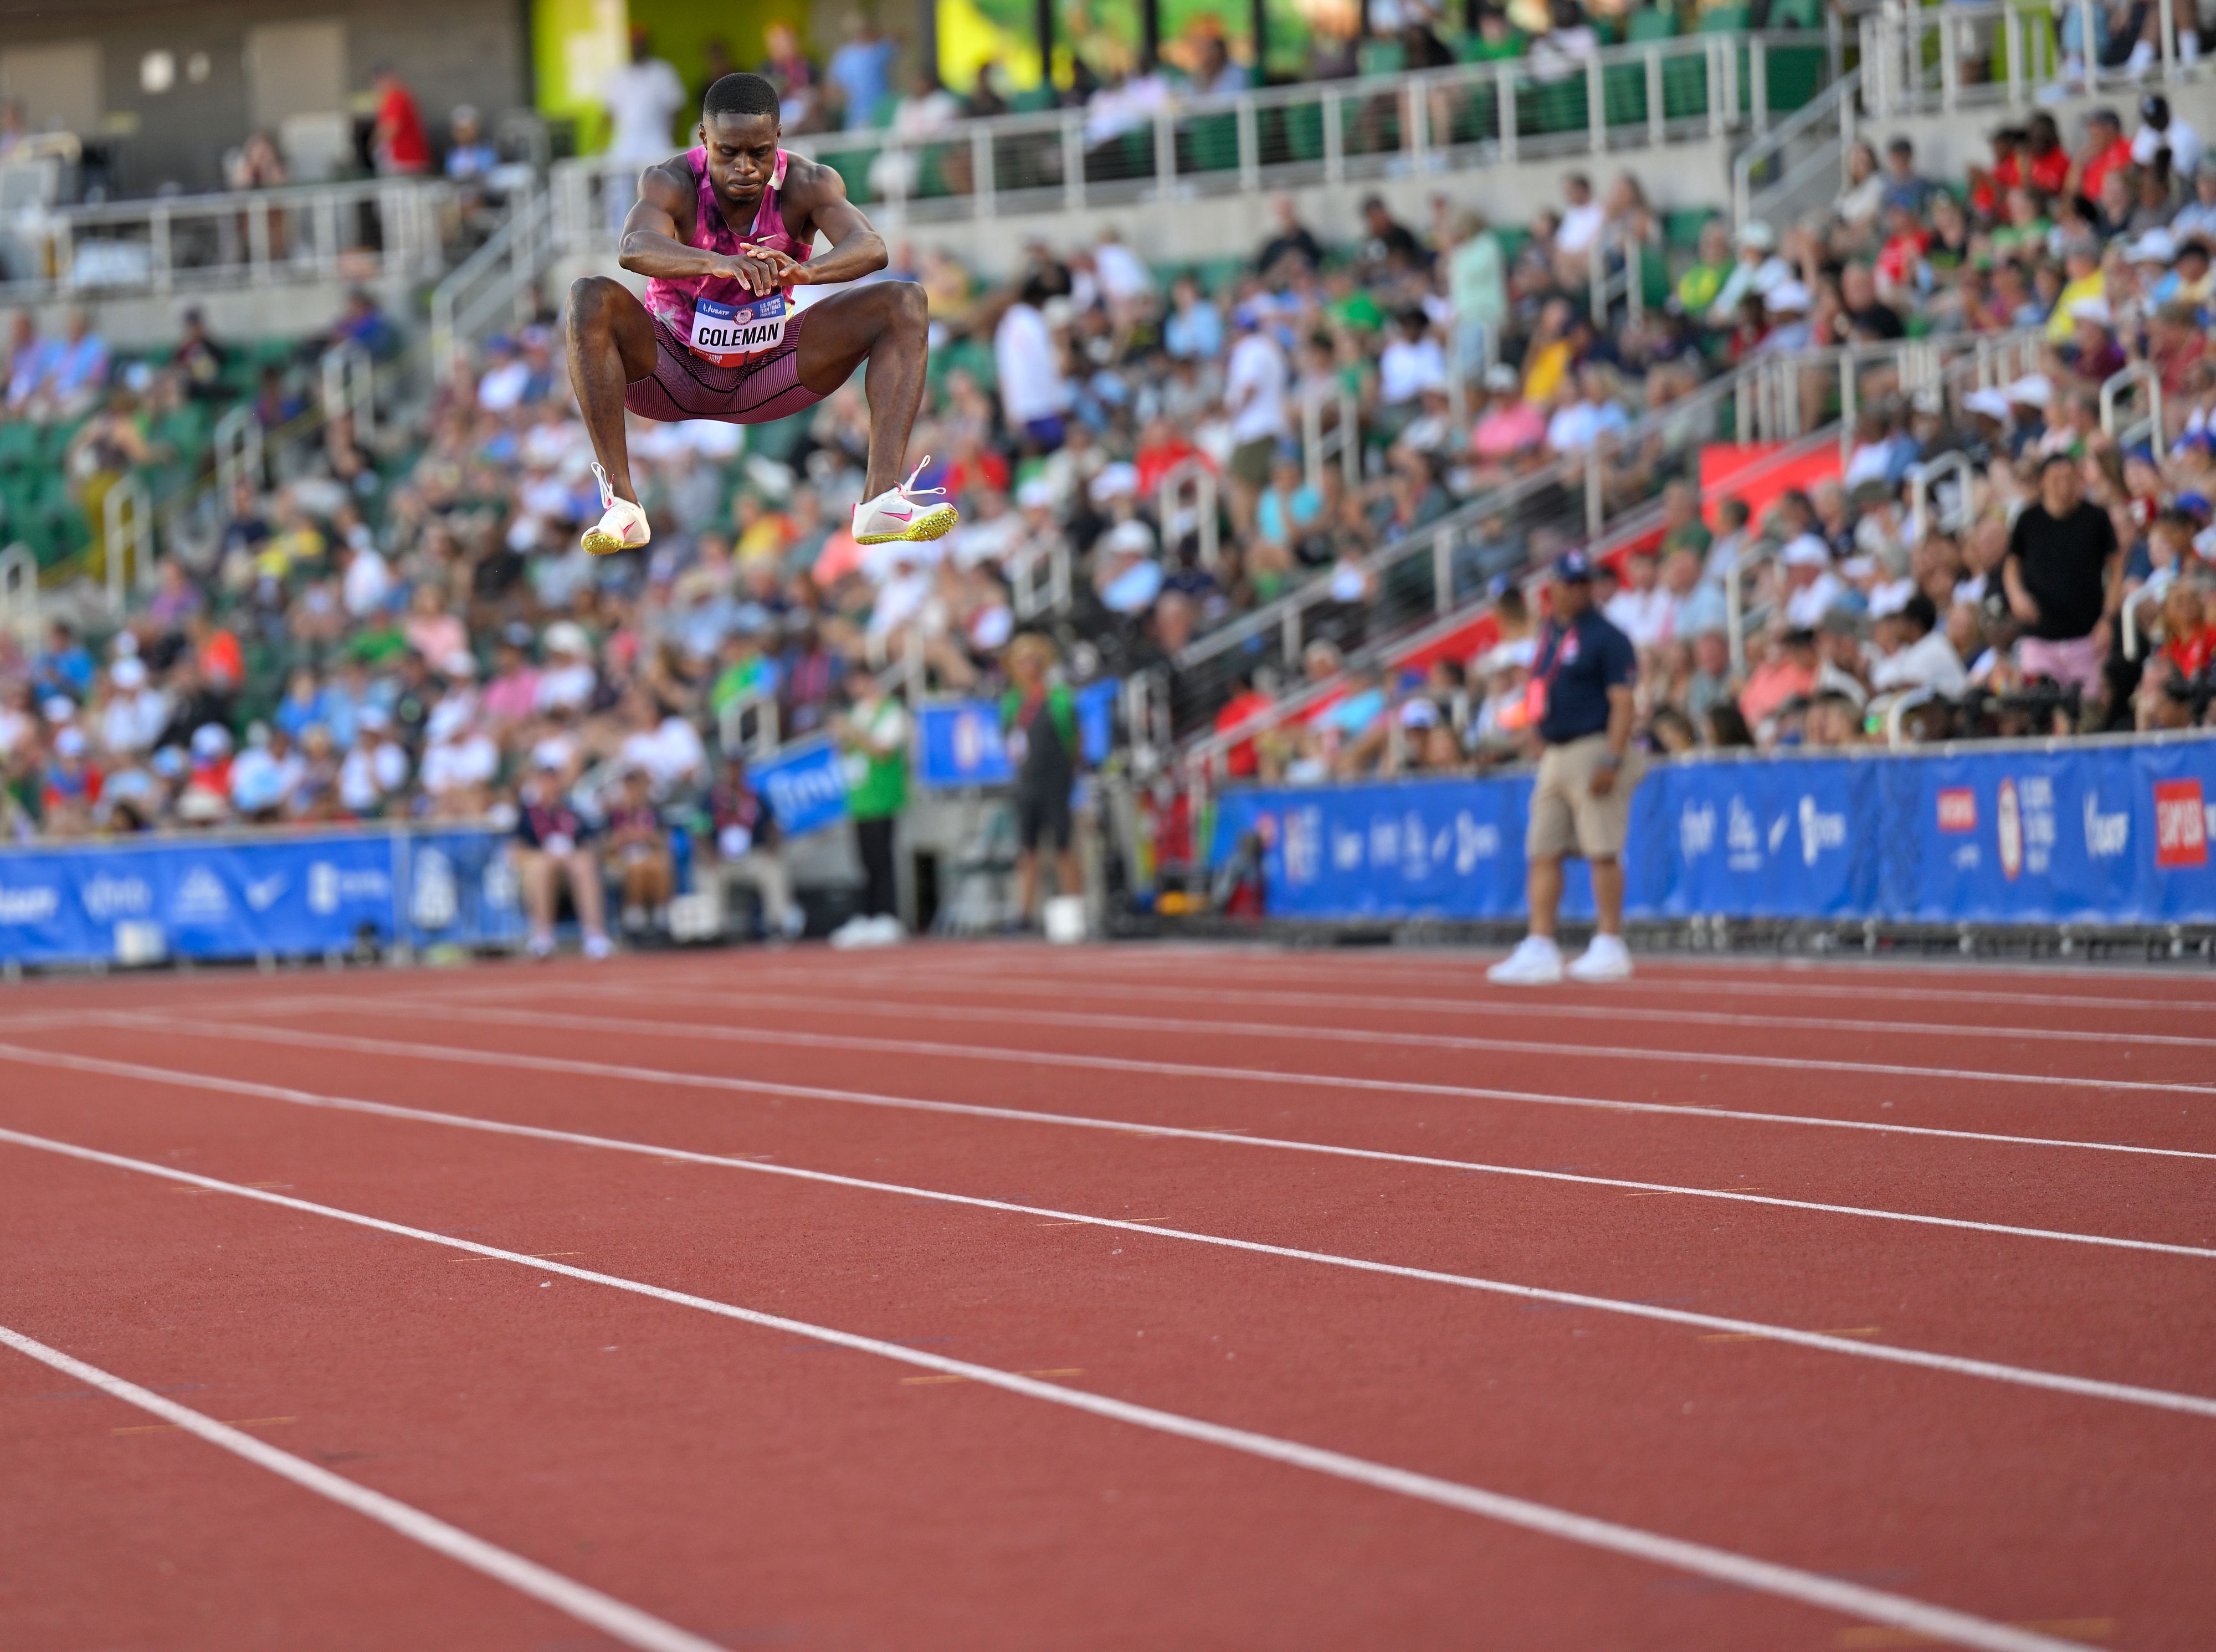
{"points": [[723, 234]]}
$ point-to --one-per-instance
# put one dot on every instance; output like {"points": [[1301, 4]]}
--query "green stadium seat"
{"points": [[1682, 227], [19, 445], [1651, 23]]}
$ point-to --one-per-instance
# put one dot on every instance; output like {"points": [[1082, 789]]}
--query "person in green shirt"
{"points": [[1038, 719], [1711, 267], [1477, 285], [873, 737]]}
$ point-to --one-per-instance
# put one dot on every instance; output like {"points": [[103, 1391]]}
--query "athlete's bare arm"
{"points": [[815, 199], [656, 228]]}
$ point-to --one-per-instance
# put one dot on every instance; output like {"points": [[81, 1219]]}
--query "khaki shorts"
{"points": [[1566, 817], [1251, 461]]}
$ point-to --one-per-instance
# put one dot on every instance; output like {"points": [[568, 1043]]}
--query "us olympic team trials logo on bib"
{"points": [[727, 335]]}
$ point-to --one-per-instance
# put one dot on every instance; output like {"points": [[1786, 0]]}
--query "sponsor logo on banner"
{"points": [[1958, 809], [2107, 836], [1474, 842], [262, 893], [108, 898], [2008, 826], [971, 737], [201, 898], [1696, 830], [2180, 824], [330, 886], [1819, 831], [1345, 850], [1303, 844], [435, 902], [1742, 838], [37, 904]]}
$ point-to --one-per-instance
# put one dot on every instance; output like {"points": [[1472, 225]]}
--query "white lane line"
{"points": [[1723, 1565], [612, 1616], [2089, 1388], [1107, 964], [1081, 1020], [1031, 987], [513, 1062], [861, 1043]]}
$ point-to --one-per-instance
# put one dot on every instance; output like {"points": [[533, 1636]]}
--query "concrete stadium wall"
{"points": [[449, 52]]}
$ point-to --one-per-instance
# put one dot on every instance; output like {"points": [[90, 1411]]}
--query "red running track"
{"points": [[997, 1297]]}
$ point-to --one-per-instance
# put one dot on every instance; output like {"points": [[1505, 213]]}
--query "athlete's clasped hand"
{"points": [[764, 270]]}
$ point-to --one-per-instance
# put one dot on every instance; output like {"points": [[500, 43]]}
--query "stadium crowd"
{"points": [[2061, 580], [408, 628]]}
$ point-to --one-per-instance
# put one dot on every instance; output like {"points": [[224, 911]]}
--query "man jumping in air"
{"points": [[724, 234]]}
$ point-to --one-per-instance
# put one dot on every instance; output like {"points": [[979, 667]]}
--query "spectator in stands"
{"points": [[635, 853], [1293, 239], [396, 142], [785, 66], [1583, 676], [743, 844], [1038, 719], [859, 73], [874, 731], [552, 848], [2062, 577]]}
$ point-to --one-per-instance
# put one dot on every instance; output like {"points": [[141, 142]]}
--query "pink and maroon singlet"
{"points": [[720, 352]]}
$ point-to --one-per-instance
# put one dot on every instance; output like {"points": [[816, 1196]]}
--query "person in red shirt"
{"points": [[1162, 448], [2105, 149], [2177, 676], [1901, 258], [2045, 162], [1242, 760], [398, 144], [1989, 188]]}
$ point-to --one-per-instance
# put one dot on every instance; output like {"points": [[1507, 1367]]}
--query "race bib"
{"points": [[726, 334]]}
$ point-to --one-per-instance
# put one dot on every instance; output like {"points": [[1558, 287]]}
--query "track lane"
{"points": [[1884, 1537], [2039, 1304]]}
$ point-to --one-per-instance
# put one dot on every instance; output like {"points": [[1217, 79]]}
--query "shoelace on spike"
{"points": [[607, 488], [908, 489]]}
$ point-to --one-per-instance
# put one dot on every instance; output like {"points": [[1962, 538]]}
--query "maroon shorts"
{"points": [[683, 386]]}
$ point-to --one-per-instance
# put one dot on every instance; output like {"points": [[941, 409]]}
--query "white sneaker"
{"points": [[622, 525], [1536, 962], [885, 931], [901, 514], [855, 932], [542, 947], [597, 947], [2141, 60], [1607, 958]]}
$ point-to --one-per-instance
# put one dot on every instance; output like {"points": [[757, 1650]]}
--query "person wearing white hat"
{"points": [[567, 680], [135, 714], [1811, 586], [1758, 270]]}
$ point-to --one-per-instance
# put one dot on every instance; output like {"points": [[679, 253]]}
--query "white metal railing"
{"points": [[127, 541], [373, 228], [350, 388], [731, 725], [1989, 53], [1194, 478], [1343, 440], [1029, 598], [1924, 506], [1807, 149], [2149, 424], [1625, 97], [495, 285], [237, 452]]}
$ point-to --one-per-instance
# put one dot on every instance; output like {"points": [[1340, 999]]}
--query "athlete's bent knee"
{"points": [[909, 305], [589, 300]]}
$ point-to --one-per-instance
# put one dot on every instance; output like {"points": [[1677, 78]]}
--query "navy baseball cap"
{"points": [[1573, 567]]}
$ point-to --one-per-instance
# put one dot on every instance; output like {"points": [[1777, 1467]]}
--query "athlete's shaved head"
{"points": [[740, 95]]}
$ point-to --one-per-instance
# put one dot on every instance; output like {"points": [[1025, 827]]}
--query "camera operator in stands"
{"points": [[1581, 694]]}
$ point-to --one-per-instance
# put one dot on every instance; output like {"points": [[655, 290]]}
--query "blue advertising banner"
{"points": [[806, 787], [2111, 833], [244, 897], [958, 743]]}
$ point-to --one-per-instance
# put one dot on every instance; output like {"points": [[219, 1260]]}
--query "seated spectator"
{"points": [[1915, 652], [552, 848], [636, 854]]}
